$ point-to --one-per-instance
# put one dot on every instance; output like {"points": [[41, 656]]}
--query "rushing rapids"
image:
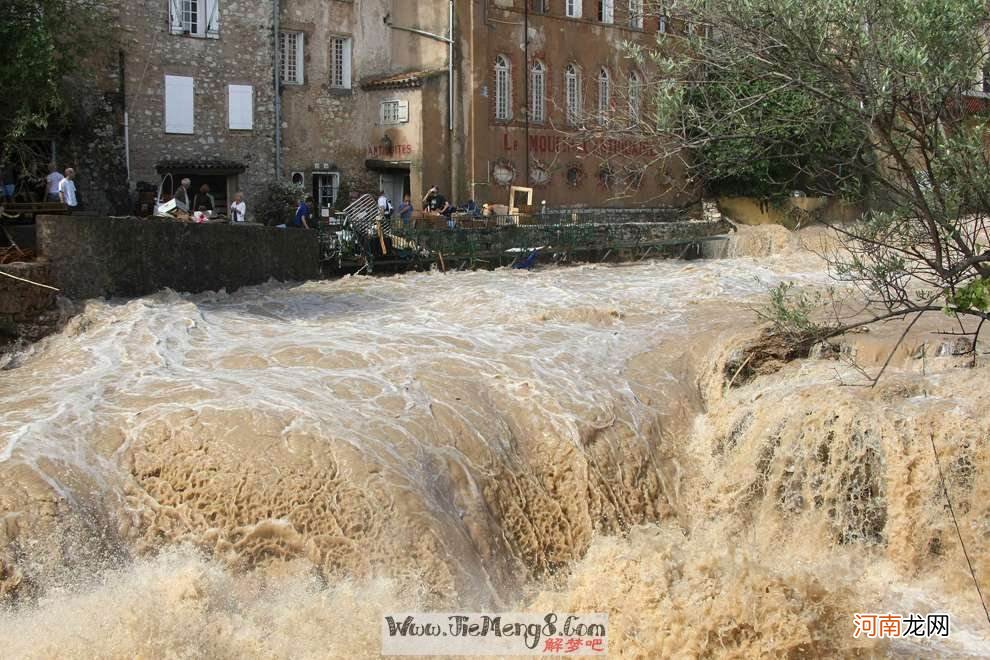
{"points": [[263, 474]]}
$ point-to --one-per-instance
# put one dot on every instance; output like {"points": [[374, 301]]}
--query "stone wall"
{"points": [[97, 256], [27, 311], [572, 238], [241, 54]]}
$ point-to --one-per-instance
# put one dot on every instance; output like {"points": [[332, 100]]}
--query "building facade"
{"points": [[554, 102], [199, 94], [346, 97]]}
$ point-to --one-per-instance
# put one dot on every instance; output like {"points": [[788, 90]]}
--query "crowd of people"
{"points": [[204, 206], [434, 204], [55, 187]]}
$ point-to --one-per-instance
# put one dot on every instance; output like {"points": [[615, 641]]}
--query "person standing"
{"points": [[67, 190], [204, 200], [304, 214], [53, 180], [181, 195], [238, 208], [428, 198], [385, 204], [406, 211]]}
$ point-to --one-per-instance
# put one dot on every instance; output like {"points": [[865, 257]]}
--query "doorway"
{"points": [[396, 184]]}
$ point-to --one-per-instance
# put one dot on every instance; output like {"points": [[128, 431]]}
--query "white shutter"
{"points": [[300, 57], [347, 63], [403, 112], [211, 24], [241, 107], [179, 104], [175, 16]]}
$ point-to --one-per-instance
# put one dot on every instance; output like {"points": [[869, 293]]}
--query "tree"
{"points": [[865, 99], [43, 44]]}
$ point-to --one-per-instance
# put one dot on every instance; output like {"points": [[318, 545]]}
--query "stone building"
{"points": [[473, 96], [552, 100], [516, 110], [199, 93]]}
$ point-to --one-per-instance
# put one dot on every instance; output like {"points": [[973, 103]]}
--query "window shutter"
{"points": [[175, 16], [403, 112], [179, 105], [212, 22], [241, 107], [347, 63], [300, 57]]}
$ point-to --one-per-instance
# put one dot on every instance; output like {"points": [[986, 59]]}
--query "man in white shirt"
{"points": [[67, 190], [238, 208], [385, 204], [53, 179]]}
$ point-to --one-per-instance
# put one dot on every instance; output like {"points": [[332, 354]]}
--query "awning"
{"points": [[388, 165], [206, 166], [408, 80]]}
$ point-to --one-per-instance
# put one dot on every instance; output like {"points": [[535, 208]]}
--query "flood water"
{"points": [[263, 474]]}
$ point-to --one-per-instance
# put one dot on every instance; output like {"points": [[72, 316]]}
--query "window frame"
{"points": [[207, 21], [635, 100], [538, 92], [345, 76], [502, 89], [299, 39], [606, 12], [401, 115], [572, 97], [318, 188], [636, 14], [572, 8], [604, 81]]}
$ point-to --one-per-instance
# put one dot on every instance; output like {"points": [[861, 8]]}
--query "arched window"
{"points": [[538, 92], [635, 98], [636, 14], [604, 95], [606, 11], [572, 94], [503, 89]]}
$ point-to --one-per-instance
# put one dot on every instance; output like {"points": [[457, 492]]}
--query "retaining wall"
{"points": [[92, 257], [26, 311]]}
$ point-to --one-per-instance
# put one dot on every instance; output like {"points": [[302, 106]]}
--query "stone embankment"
{"points": [[28, 312]]}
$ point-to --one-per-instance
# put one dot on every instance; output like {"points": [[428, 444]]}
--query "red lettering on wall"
{"points": [[393, 151]]}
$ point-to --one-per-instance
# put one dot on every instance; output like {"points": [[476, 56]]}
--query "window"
{"points": [[573, 8], [503, 89], [604, 96], [572, 94], [195, 18], [539, 6], [290, 48], [606, 11], [326, 185], [538, 92], [636, 14], [394, 112], [179, 105], [662, 26], [340, 62], [635, 98], [240, 110]]}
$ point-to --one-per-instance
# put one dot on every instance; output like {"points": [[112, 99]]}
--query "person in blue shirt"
{"points": [[406, 211], [304, 214]]}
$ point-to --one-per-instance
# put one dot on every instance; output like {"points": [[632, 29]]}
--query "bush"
{"points": [[277, 202]]}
